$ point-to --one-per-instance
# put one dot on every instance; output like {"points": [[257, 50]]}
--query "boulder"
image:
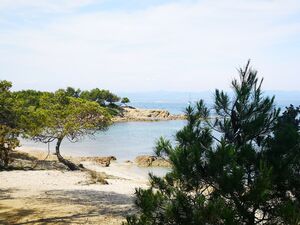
{"points": [[144, 160], [147, 161], [103, 161], [159, 162]]}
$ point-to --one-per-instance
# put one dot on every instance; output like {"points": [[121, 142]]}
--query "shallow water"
{"points": [[144, 171], [130, 139], [123, 140]]}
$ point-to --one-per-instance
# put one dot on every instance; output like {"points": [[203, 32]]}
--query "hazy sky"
{"points": [[148, 45]]}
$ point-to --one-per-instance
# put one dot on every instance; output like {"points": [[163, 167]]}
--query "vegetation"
{"points": [[236, 164], [125, 100], [45, 117], [243, 167], [59, 116], [9, 131], [100, 96], [97, 177]]}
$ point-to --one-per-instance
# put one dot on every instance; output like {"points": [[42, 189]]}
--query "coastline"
{"points": [[51, 194], [131, 114], [58, 196]]}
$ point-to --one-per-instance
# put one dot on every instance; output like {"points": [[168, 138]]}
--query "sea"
{"points": [[127, 140], [124, 140]]}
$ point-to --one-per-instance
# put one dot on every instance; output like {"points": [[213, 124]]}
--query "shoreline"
{"points": [[124, 140], [73, 197], [130, 114], [64, 197]]}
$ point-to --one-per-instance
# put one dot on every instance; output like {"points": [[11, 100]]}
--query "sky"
{"points": [[148, 45]]}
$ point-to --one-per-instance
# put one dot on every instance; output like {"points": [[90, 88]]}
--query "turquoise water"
{"points": [[130, 139], [123, 140]]}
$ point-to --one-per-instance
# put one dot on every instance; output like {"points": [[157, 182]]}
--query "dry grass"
{"points": [[97, 177]]}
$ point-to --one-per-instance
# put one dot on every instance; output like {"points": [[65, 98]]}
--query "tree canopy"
{"points": [[125, 100], [46, 116], [100, 96], [60, 116], [8, 124], [238, 163]]}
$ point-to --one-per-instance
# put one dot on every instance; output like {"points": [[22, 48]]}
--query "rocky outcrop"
{"points": [[151, 161], [159, 162], [103, 161], [144, 160], [133, 114], [38, 165]]}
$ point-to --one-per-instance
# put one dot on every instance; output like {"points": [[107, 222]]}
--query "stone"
{"points": [[133, 114], [148, 161], [144, 160], [103, 161]]}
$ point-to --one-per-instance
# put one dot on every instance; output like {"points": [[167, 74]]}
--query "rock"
{"points": [[130, 107], [103, 161], [133, 114], [38, 165], [161, 163], [147, 161], [112, 158]]}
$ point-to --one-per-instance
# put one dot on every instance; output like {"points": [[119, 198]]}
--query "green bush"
{"points": [[238, 164]]}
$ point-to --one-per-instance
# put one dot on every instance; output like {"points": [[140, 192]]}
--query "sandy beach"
{"points": [[68, 197]]}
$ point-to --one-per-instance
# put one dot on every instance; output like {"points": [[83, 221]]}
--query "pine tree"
{"points": [[9, 131], [235, 164]]}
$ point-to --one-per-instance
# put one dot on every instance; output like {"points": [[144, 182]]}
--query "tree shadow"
{"points": [[5, 193], [7, 217], [6, 214], [70, 207]]}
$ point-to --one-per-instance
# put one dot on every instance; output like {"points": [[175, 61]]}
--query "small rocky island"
{"points": [[129, 113]]}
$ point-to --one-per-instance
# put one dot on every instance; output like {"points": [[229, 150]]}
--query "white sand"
{"points": [[56, 197]]}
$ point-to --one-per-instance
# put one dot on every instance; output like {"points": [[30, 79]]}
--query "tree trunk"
{"points": [[4, 156], [69, 164]]}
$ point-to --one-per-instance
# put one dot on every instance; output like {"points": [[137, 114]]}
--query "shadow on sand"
{"points": [[64, 207]]}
